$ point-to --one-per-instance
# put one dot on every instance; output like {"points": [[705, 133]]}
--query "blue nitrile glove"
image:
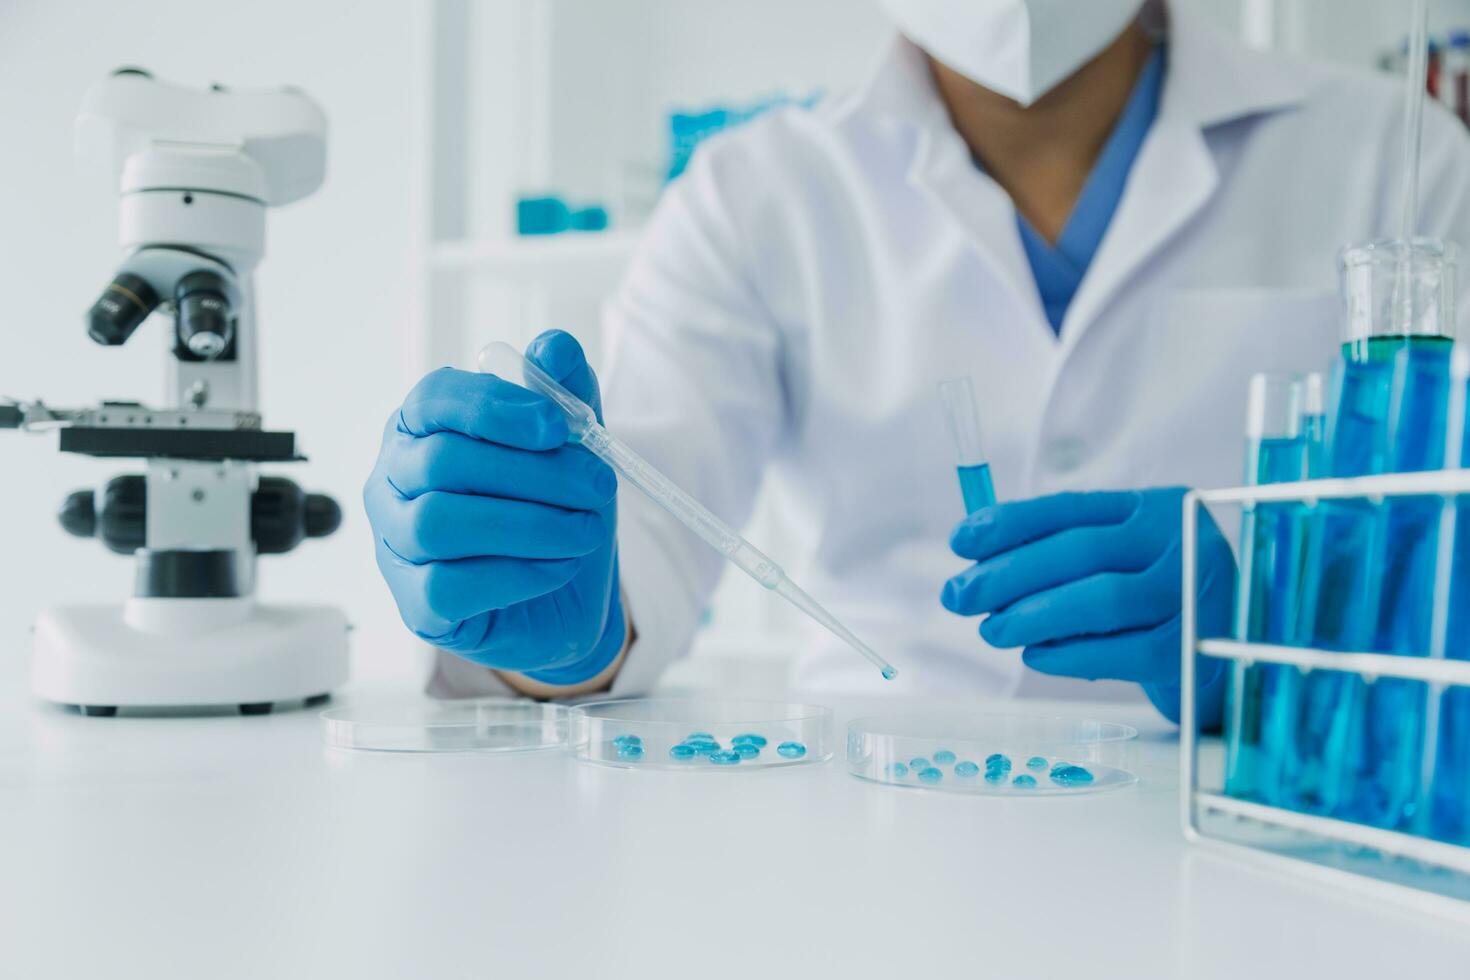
{"points": [[495, 535], [1089, 584]]}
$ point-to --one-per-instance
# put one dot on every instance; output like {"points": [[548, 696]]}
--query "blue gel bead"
{"points": [[918, 762], [682, 752], [746, 751], [1024, 781], [703, 747], [623, 740], [759, 741], [1036, 762], [930, 775], [966, 770], [996, 775], [897, 770], [793, 750], [699, 737], [1064, 774], [630, 752], [943, 757], [998, 761], [725, 758]]}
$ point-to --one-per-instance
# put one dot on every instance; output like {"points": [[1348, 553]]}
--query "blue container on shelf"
{"points": [[552, 215], [545, 215]]}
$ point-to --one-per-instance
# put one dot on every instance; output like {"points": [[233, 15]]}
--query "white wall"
{"points": [[334, 288]]}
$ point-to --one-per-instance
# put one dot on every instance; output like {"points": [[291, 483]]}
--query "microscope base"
{"points": [[97, 657]]}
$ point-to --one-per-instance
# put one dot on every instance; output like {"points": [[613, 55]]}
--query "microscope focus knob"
{"points": [[323, 515], [121, 521], [282, 515], [78, 514]]}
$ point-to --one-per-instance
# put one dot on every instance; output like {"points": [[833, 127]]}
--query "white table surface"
{"points": [[230, 847]]}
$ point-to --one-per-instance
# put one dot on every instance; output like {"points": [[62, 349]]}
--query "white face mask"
{"points": [[1019, 48]]}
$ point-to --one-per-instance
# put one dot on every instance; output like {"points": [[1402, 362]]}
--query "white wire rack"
{"points": [[1428, 874]]}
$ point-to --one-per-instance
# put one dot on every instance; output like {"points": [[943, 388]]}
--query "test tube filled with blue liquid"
{"points": [[1261, 696], [1285, 526], [1449, 801], [960, 411], [1419, 282], [1369, 576]]}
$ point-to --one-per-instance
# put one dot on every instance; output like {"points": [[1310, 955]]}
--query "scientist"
{"points": [[1103, 212]]}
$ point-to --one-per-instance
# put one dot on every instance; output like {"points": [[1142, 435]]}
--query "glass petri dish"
{"points": [[478, 725], [700, 735], [993, 754]]}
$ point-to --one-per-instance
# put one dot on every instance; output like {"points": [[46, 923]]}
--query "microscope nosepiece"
{"points": [[206, 317], [122, 307]]}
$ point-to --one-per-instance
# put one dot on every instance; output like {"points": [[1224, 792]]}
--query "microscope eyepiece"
{"points": [[206, 316], [122, 307]]}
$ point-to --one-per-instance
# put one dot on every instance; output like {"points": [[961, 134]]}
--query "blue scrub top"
{"points": [[1059, 269]]}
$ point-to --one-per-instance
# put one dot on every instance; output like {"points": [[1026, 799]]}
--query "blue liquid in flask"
{"points": [[1386, 792], [976, 487]]}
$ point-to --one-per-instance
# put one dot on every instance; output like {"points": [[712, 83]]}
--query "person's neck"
{"points": [[1042, 153]]}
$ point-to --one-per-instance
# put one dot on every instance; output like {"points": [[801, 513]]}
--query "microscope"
{"points": [[197, 170]]}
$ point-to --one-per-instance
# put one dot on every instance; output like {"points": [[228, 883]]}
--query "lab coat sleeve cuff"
{"points": [[604, 652], [658, 600]]}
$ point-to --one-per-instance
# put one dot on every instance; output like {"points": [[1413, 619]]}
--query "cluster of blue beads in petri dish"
{"points": [[703, 745], [997, 769], [628, 747]]}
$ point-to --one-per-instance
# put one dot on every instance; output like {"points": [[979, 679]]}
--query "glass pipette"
{"points": [[507, 363], [1414, 91]]}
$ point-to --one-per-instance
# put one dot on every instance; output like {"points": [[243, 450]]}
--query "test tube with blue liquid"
{"points": [[1420, 284], [1449, 798], [1368, 582], [1314, 423], [958, 398], [1261, 697]]}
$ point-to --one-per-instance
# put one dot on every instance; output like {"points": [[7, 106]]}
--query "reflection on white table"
{"points": [[241, 847]]}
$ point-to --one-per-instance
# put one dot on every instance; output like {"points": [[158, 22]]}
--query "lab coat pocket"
{"points": [[1204, 346]]}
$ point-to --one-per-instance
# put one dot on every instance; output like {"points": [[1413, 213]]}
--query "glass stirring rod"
{"points": [[507, 363]]}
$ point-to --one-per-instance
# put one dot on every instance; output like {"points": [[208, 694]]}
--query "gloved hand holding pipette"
{"points": [[1089, 585], [495, 536]]}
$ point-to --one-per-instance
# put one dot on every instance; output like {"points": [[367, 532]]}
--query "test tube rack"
{"points": [[1389, 865]]}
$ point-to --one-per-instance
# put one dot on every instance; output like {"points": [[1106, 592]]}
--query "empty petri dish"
{"points": [[478, 725], [699, 734], [993, 754]]}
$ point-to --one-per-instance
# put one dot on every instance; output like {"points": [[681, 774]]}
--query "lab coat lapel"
{"points": [[1210, 80], [1171, 180], [941, 169], [944, 171]]}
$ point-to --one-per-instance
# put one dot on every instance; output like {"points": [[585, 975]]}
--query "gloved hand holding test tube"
{"points": [[507, 363]]}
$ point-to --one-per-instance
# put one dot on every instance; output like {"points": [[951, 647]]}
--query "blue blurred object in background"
{"points": [[551, 215], [687, 129]]}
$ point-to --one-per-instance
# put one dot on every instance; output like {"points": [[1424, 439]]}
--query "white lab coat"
{"points": [[804, 286]]}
